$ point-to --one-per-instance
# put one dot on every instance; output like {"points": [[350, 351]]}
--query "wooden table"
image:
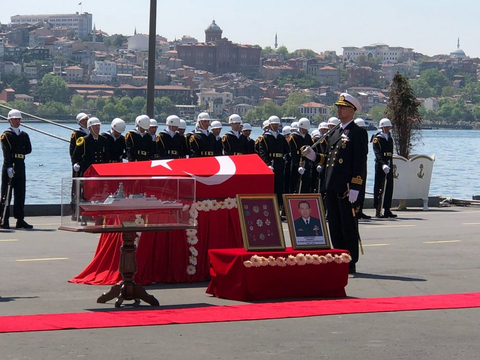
{"points": [[127, 289]]}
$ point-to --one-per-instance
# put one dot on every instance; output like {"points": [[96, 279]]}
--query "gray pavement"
{"points": [[419, 253]]}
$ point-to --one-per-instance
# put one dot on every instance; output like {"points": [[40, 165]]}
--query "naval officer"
{"points": [[344, 162]]}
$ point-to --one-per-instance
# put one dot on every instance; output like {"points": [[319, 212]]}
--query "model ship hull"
{"points": [[129, 206]]}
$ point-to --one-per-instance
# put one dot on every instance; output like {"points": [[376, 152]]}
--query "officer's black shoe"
{"points": [[389, 214], [22, 224], [352, 269], [5, 225], [363, 216]]}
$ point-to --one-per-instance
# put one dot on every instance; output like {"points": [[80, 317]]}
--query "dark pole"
{"points": [[151, 58]]}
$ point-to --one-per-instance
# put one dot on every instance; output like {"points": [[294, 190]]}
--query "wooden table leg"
{"points": [[127, 289]]}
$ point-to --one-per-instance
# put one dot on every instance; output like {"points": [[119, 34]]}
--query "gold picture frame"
{"points": [[306, 221], [260, 222]]}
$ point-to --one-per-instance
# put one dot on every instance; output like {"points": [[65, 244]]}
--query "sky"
{"points": [[430, 27]]}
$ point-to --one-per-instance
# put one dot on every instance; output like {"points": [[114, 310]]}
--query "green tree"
{"points": [[138, 105], [20, 84], [55, 108], [23, 106], [119, 41], [77, 103], [267, 50], [376, 113], [52, 88], [127, 101], [100, 103], [403, 111], [290, 107], [164, 107], [283, 51]]}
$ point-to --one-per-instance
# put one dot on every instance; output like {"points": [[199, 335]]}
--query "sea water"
{"points": [[455, 171]]}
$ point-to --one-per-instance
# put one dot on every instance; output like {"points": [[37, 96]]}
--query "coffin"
{"points": [[216, 177]]}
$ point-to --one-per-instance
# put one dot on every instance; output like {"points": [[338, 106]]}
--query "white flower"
{"points": [[193, 213], [198, 206], [346, 258], [207, 205], [291, 260], [264, 261], [247, 263], [329, 257], [338, 259], [192, 239], [191, 270], [192, 260], [191, 232], [256, 261], [185, 207], [216, 205], [193, 251], [192, 222], [281, 261], [271, 261], [222, 205], [230, 203], [301, 259], [316, 259], [309, 258]]}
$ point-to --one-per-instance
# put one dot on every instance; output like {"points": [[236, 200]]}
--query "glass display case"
{"points": [[117, 204]]}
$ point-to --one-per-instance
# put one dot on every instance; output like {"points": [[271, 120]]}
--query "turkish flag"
{"points": [[217, 177]]}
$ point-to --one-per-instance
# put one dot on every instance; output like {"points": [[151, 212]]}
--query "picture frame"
{"points": [[260, 222], [306, 221]]}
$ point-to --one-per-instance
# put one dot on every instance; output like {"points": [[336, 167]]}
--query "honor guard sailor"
{"points": [[246, 131], [116, 141], [15, 145], [272, 147], [344, 162], [234, 142], [138, 142], [382, 143], [202, 142], [90, 149], [298, 166], [170, 144]]}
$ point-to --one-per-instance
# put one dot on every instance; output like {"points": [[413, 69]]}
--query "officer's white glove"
{"points": [[319, 168], [353, 195], [386, 169], [270, 167], [309, 153], [76, 167], [10, 172], [301, 170]]}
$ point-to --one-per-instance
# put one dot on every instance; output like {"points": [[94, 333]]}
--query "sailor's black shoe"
{"points": [[22, 224], [5, 225]]}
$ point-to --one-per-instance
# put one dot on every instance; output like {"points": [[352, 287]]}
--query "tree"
{"points": [[119, 41], [403, 112], [377, 113], [52, 88], [283, 51]]}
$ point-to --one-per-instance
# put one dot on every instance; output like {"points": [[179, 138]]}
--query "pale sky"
{"points": [[428, 26]]}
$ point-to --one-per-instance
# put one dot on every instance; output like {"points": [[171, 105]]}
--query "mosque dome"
{"points": [[458, 53], [213, 27]]}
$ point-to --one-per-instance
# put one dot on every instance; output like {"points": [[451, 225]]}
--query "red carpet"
{"points": [[264, 311]]}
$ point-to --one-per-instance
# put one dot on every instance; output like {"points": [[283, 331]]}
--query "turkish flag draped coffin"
{"points": [[217, 177]]}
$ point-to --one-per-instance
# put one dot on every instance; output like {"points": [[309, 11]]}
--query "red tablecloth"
{"points": [[164, 256], [232, 280]]}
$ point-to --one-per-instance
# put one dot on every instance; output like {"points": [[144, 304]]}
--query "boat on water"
{"points": [[119, 202], [371, 125]]}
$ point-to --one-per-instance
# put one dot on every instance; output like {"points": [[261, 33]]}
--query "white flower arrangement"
{"points": [[299, 259], [191, 234]]}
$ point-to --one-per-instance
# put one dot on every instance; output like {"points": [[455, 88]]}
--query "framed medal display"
{"points": [[306, 221], [260, 222]]}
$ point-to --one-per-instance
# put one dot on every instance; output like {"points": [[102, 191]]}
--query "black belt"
{"points": [[276, 155], [237, 153], [172, 152], [18, 156], [141, 152], [208, 153], [387, 154]]}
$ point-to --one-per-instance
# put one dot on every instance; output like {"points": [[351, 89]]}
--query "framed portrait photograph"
{"points": [[306, 221], [260, 222]]}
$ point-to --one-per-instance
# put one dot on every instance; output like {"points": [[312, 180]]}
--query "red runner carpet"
{"points": [[263, 311]]}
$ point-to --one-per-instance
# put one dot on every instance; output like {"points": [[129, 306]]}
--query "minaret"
{"points": [[135, 32], [276, 43], [94, 34], [458, 43]]}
